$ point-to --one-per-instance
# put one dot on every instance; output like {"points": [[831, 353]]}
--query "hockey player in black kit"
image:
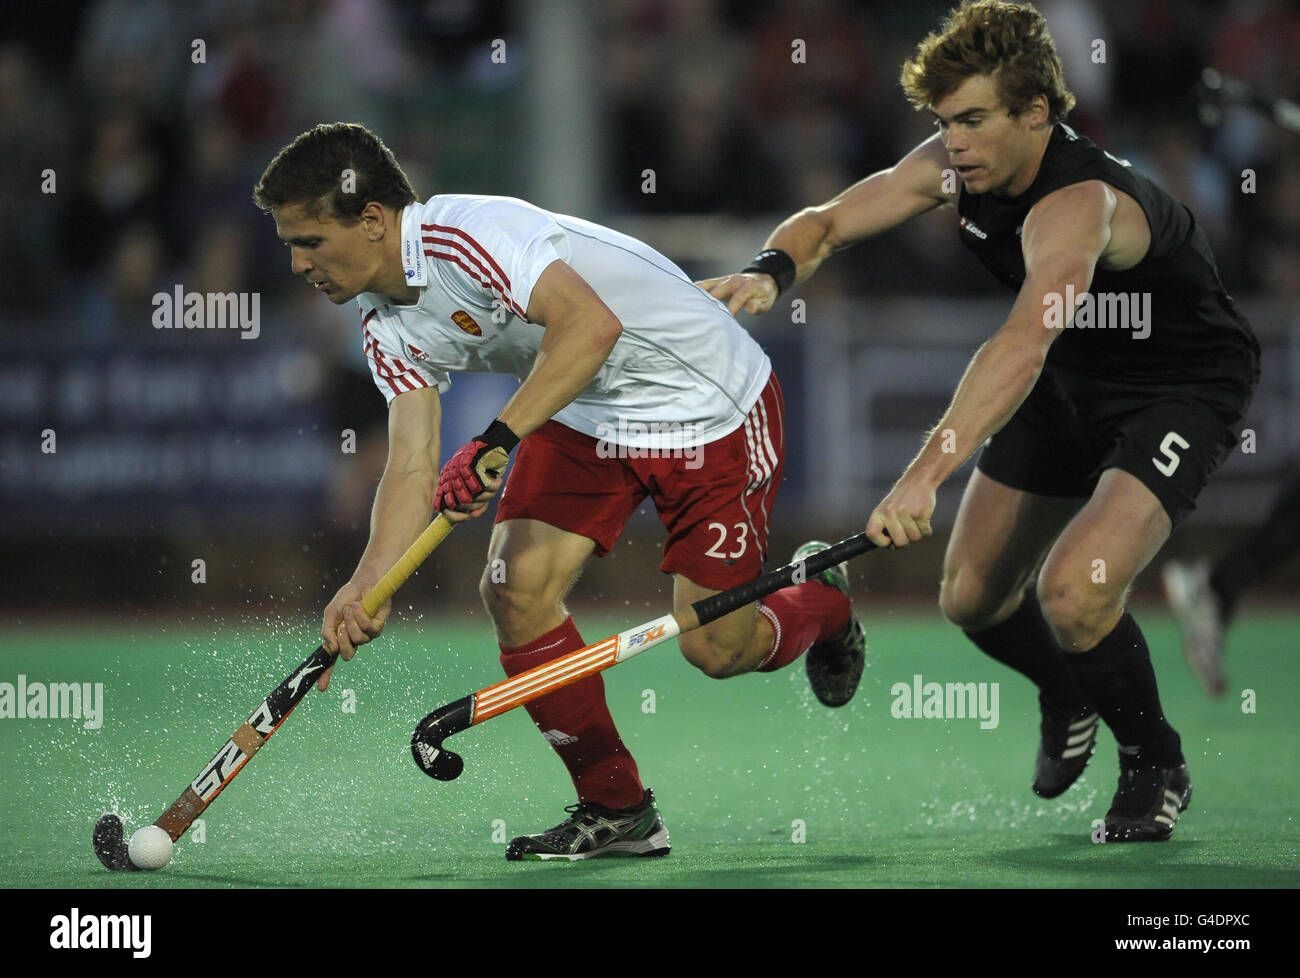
{"points": [[1115, 387]]}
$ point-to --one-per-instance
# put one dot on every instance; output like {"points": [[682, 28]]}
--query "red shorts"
{"points": [[715, 500]]}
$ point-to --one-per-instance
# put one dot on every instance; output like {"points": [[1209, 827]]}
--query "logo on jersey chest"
{"points": [[466, 322], [968, 225]]}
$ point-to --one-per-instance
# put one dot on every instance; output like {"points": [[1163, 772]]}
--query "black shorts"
{"points": [[1072, 427]]}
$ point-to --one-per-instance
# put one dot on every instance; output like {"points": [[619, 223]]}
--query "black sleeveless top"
{"points": [[1194, 333]]}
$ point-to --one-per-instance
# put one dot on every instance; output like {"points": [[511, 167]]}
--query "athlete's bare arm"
{"points": [[580, 333], [1064, 236], [871, 206], [401, 511]]}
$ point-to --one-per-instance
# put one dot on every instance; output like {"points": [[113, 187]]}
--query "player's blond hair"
{"points": [[1006, 41]]}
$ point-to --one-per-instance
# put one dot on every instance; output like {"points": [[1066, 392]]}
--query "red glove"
{"points": [[461, 480]]}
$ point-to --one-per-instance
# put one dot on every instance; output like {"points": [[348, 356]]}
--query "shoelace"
{"points": [[575, 812], [583, 810]]}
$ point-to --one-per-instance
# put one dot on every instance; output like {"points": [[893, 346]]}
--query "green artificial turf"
{"points": [[759, 785]]}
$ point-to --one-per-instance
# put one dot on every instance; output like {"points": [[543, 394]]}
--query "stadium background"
{"points": [[176, 445]]}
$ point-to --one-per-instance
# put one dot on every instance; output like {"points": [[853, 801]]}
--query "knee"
{"points": [[717, 660], [969, 602], [1079, 612], [511, 600]]}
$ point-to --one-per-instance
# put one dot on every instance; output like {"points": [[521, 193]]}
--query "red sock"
{"points": [[801, 615], [576, 721]]}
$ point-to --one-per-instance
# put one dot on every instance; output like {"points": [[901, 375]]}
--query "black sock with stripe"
{"points": [[1117, 677]]}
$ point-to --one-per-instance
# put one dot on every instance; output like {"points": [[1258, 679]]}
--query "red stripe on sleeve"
{"points": [[482, 276], [392, 372], [477, 247]]}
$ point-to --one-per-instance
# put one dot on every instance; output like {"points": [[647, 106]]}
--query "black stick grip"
{"points": [[725, 602]]}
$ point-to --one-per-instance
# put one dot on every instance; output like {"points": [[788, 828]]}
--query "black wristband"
{"points": [[499, 435], [776, 263]]}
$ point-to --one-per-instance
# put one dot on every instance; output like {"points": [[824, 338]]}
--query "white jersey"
{"points": [[683, 372]]}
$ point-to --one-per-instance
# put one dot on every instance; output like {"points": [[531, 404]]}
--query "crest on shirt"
{"points": [[416, 352], [466, 322]]}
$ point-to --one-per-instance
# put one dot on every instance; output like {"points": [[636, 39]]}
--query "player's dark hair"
{"points": [[336, 169], [1007, 41]]}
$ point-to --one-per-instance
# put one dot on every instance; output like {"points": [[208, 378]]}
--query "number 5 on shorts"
{"points": [[1166, 449]]}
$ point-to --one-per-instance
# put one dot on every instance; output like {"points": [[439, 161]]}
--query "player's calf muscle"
{"points": [[716, 659], [738, 646], [716, 662]]}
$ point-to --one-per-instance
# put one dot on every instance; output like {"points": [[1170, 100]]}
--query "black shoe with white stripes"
{"points": [[1066, 745], [1147, 803], [593, 830]]}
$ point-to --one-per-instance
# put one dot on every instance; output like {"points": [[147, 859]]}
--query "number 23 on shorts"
{"points": [[739, 539]]}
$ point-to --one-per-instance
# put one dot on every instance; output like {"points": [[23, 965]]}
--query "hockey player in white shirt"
{"points": [[634, 384]]}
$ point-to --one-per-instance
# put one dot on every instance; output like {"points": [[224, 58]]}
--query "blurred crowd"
{"points": [[714, 95], [150, 120]]}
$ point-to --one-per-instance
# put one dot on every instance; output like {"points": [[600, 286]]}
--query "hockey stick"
{"points": [[110, 846], [427, 741]]}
